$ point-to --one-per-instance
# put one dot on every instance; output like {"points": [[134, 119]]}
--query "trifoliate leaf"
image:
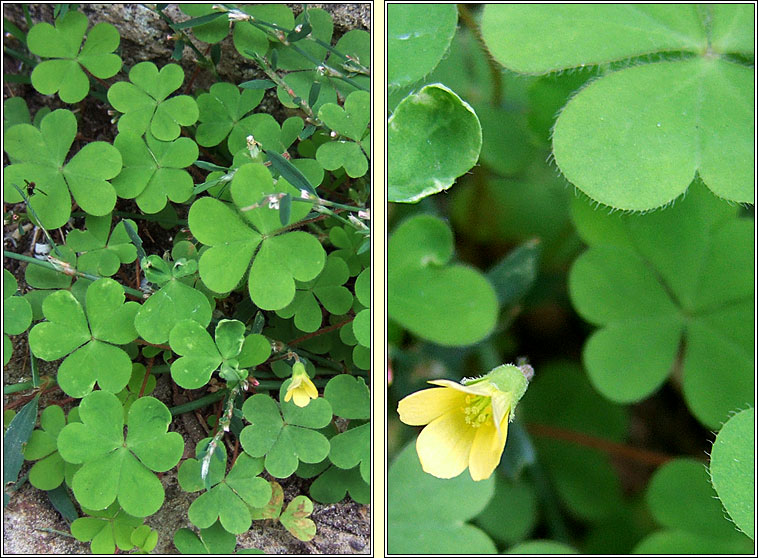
{"points": [[117, 469]]}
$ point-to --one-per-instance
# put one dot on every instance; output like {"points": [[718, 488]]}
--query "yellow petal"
{"points": [[310, 388], [481, 388], [301, 398], [288, 395], [426, 405], [444, 446], [501, 410], [487, 449]]}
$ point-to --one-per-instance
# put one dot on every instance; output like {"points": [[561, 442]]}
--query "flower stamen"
{"points": [[478, 410]]}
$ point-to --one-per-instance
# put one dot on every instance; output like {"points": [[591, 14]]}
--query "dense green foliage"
{"points": [[262, 261], [639, 323]]}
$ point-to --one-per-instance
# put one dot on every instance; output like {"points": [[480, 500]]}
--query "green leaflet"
{"points": [[433, 138], [286, 437], [635, 138], [153, 170], [682, 501], [63, 74], [449, 304], [417, 37], [41, 154], [427, 515], [645, 293], [277, 261], [117, 469], [731, 467], [230, 495], [145, 103], [88, 340]]}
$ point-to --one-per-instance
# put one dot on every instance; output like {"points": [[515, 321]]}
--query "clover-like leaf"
{"points": [[200, 355], [222, 109], [89, 340], [322, 27], [17, 312], [212, 31], [349, 397], [426, 514], [101, 251], [328, 289], [731, 469], [232, 243], [295, 518], [15, 112], [254, 181], [144, 538], [107, 529], [273, 509], [250, 39], [343, 154], [681, 498], [174, 302], [361, 324], [49, 470], [446, 304], [266, 131], [418, 35], [334, 484], [213, 540], [255, 350], [43, 278], [285, 441], [230, 495], [648, 296], [350, 121], [352, 448], [301, 83], [154, 170], [348, 242], [660, 124], [42, 154], [434, 137], [117, 469], [145, 103], [355, 44], [64, 74], [635, 138], [279, 260]]}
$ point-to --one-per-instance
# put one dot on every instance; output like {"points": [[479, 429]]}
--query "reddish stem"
{"points": [[321, 331], [623, 451], [147, 375]]}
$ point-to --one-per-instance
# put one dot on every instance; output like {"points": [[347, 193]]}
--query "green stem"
{"points": [[269, 71], [129, 215], [198, 403], [331, 72], [23, 58], [36, 217], [185, 38], [15, 388], [64, 268]]}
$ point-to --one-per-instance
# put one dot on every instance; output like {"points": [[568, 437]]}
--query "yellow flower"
{"points": [[467, 422], [301, 389]]}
